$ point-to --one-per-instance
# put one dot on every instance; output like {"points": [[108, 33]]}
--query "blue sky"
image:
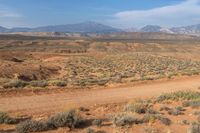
{"points": [[117, 13]]}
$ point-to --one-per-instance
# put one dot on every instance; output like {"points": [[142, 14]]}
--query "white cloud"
{"points": [[7, 12], [9, 17], [185, 13]]}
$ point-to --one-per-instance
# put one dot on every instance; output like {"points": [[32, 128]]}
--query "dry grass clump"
{"points": [[137, 107], [125, 120], [149, 118], [69, 119]]}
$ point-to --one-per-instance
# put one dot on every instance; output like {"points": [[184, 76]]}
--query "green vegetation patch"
{"points": [[70, 119], [180, 95]]}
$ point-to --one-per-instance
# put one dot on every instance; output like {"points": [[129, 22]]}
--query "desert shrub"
{"points": [[194, 128], [15, 84], [83, 109], [38, 83], [193, 103], [69, 119], [6, 119], [149, 118], [32, 126], [175, 111], [179, 108], [164, 120], [90, 130], [184, 122], [151, 111], [124, 120], [59, 83], [116, 79], [164, 108], [180, 95], [137, 107], [103, 81], [151, 130], [97, 122]]}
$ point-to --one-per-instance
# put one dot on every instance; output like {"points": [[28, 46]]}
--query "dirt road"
{"points": [[36, 104]]}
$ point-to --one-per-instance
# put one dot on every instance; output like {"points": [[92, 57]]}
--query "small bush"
{"points": [[90, 130], [136, 107], [179, 108], [124, 120], [32, 126], [149, 118], [164, 108], [175, 112], [97, 122], [39, 83], [69, 119], [83, 109], [164, 120], [151, 130], [15, 84], [194, 128], [103, 81], [184, 122], [151, 111], [6, 119]]}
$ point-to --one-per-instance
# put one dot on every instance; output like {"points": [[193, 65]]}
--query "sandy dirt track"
{"points": [[37, 104]]}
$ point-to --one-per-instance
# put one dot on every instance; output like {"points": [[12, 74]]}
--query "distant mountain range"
{"points": [[188, 30], [86, 27], [93, 27], [155, 28], [192, 30]]}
